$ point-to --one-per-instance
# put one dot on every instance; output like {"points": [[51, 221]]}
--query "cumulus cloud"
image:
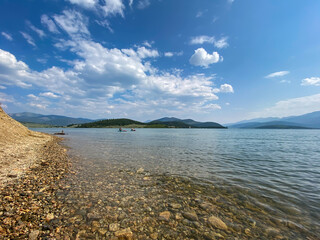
{"points": [[224, 88], [28, 38], [218, 43], [203, 59], [291, 107], [145, 52], [277, 74], [73, 23], [7, 36], [46, 21], [313, 81]]}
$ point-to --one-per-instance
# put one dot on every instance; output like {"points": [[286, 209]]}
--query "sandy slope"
{"points": [[19, 147]]}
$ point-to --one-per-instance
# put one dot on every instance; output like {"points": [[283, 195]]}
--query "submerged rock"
{"points": [[124, 234], [217, 223], [165, 216]]}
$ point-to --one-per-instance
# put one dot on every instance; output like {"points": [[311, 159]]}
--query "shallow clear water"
{"points": [[279, 170]]}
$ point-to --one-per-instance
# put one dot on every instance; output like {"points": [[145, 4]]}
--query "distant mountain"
{"points": [[160, 123], [54, 120], [310, 120], [189, 123]]}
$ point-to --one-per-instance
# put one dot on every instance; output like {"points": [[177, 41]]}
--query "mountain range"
{"points": [[54, 120], [309, 120]]}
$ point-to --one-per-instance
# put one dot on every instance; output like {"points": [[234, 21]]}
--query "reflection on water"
{"points": [[275, 170]]}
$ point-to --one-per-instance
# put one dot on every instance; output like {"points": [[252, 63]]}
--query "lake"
{"points": [[274, 170]]}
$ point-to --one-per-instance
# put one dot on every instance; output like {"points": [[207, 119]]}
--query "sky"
{"points": [[208, 60]]}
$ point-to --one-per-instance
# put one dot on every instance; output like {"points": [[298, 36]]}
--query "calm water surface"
{"points": [[277, 169]]}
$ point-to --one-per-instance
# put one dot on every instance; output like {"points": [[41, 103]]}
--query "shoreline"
{"points": [[29, 201]]}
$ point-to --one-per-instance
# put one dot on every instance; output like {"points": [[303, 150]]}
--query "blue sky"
{"points": [[209, 60]]}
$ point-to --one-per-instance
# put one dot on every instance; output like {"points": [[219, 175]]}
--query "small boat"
{"points": [[133, 130], [60, 133], [122, 130]]}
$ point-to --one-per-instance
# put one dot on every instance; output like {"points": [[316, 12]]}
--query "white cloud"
{"points": [[147, 53], [38, 105], [36, 30], [49, 95], [130, 3], [171, 54], [73, 23], [85, 3], [46, 21], [291, 107], [201, 39], [106, 24], [6, 98], [143, 4], [7, 36], [313, 81], [219, 43], [285, 81], [226, 88], [12, 72], [2, 87], [113, 7], [203, 59], [28, 38], [212, 106], [277, 74], [148, 44], [33, 97]]}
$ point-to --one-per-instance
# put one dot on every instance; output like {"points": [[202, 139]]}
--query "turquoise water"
{"points": [[278, 170]]}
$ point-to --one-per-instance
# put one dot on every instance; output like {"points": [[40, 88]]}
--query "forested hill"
{"points": [[120, 122]]}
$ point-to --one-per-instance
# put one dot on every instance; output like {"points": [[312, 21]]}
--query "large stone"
{"points": [[190, 215], [49, 217], [124, 234], [165, 216], [217, 223], [113, 227], [34, 235]]}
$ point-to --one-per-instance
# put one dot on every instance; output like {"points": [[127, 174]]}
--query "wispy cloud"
{"points": [[106, 24], [143, 4], [277, 74], [219, 43], [28, 38], [73, 22], [35, 29], [171, 54], [312, 81], [113, 8], [84, 3], [46, 21], [7, 36], [291, 107]]}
